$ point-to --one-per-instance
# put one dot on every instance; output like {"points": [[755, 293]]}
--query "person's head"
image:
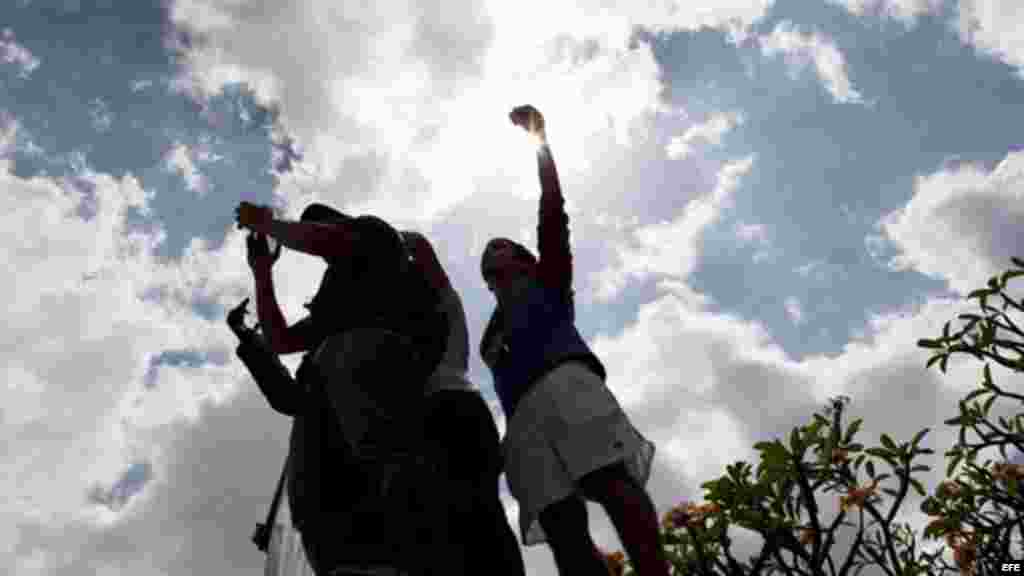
{"points": [[322, 214], [504, 263]]}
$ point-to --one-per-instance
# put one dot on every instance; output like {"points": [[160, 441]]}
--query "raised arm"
{"points": [[555, 254], [555, 262], [328, 240], [279, 337]]}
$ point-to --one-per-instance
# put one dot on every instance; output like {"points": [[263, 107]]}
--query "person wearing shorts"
{"points": [[568, 439]]}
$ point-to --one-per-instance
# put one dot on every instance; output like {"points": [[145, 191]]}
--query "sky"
{"points": [[770, 201]]}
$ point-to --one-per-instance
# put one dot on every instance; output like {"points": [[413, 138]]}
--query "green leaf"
{"points": [[920, 468], [869, 467], [980, 292], [945, 331], [942, 363], [918, 437], [888, 443], [958, 421], [917, 486], [933, 360], [988, 404], [1011, 274], [930, 344], [993, 282], [975, 393], [987, 375], [794, 441]]}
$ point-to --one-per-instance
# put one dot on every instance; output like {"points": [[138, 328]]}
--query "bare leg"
{"points": [[632, 513], [565, 523]]}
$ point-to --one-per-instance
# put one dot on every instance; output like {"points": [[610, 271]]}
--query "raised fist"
{"points": [[528, 118]]}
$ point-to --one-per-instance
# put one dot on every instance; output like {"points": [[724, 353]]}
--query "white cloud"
{"points": [[13, 53], [994, 28], [179, 159], [89, 309], [705, 386], [389, 97], [671, 248], [186, 162], [801, 51], [906, 11], [701, 385], [710, 132], [962, 224], [794, 310]]}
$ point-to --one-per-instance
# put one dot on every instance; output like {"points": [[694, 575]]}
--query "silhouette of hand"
{"points": [[236, 318], [253, 217], [528, 118], [258, 252]]}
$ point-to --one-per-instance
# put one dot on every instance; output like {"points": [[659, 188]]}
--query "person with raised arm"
{"points": [[372, 338], [567, 437]]}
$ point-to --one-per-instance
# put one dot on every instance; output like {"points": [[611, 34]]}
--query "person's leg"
{"points": [[633, 514], [461, 425], [568, 533]]}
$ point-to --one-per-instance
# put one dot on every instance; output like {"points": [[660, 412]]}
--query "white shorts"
{"points": [[567, 426]]}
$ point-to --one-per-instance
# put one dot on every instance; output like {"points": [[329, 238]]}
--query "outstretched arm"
{"points": [[555, 262], [328, 240]]}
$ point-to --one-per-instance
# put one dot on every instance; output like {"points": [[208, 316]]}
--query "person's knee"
{"points": [[614, 488]]}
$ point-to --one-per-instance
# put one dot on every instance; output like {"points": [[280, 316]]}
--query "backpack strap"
{"points": [[261, 537]]}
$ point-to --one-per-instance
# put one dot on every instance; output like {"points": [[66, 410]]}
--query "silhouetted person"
{"points": [[372, 338], [467, 450], [567, 437], [276, 384]]}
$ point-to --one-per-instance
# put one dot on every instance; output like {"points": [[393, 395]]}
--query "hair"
{"points": [[520, 252]]}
